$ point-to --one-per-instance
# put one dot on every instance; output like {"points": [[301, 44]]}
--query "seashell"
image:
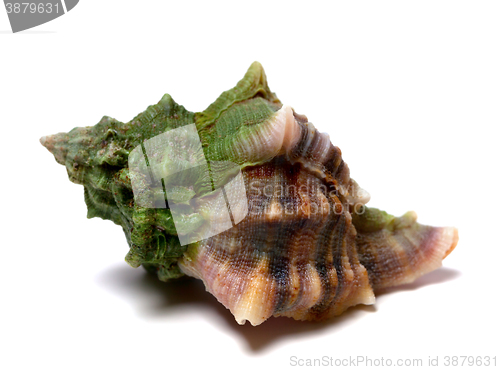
{"points": [[296, 240]]}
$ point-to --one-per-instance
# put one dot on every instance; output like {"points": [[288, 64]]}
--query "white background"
{"points": [[409, 90]]}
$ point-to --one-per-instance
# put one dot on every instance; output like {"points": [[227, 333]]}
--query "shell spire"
{"points": [[250, 198]]}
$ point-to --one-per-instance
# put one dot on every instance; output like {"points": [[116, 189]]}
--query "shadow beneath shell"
{"points": [[162, 299], [438, 276]]}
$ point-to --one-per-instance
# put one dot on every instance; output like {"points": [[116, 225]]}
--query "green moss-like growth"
{"points": [[97, 158]]}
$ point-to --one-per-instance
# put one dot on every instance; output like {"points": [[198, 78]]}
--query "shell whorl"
{"points": [[293, 255]]}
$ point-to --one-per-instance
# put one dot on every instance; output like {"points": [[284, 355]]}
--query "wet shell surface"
{"points": [[250, 199]]}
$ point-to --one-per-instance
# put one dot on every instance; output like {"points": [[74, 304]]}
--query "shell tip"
{"points": [[454, 240]]}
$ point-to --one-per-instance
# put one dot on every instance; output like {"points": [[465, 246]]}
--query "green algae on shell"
{"points": [[306, 246]]}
